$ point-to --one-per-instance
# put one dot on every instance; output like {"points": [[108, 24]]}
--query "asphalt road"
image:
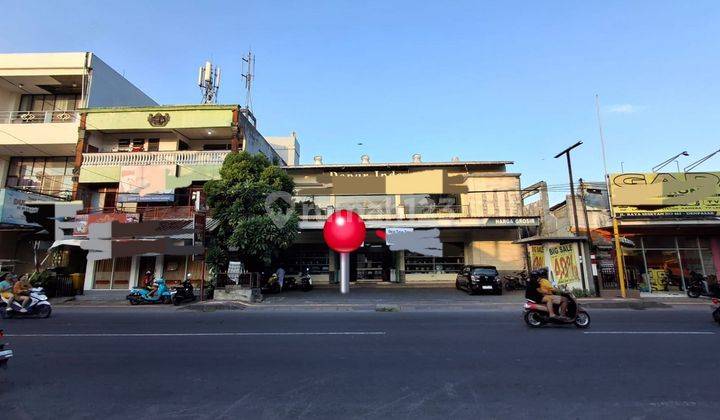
{"points": [[166, 363]]}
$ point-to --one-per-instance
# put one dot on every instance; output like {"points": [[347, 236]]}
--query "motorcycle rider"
{"points": [[6, 287], [148, 279], [540, 290], [21, 292]]}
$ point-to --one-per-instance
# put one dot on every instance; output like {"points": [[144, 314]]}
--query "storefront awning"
{"points": [[68, 242]]}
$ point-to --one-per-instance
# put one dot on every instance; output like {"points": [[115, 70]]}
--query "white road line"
{"points": [[209, 334], [652, 332]]}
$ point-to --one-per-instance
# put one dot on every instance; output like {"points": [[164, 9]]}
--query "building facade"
{"points": [[145, 167], [475, 206], [40, 95], [672, 222]]}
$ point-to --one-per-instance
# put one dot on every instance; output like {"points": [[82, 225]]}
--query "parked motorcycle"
{"points": [[183, 292], [5, 353], [716, 312], [517, 281], [304, 283], [698, 286], [536, 314], [140, 295], [272, 285], [39, 307]]}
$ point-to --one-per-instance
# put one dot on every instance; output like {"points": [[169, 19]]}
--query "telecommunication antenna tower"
{"points": [[209, 82], [249, 76]]}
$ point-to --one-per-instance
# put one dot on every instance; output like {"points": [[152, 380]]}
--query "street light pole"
{"points": [[566, 152]]}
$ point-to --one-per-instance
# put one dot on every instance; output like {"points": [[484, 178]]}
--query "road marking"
{"points": [[652, 332], [221, 334]]}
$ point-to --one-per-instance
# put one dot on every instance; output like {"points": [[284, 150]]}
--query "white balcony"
{"points": [[37, 117], [184, 157]]}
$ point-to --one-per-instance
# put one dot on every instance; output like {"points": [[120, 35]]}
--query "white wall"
{"points": [[9, 101], [108, 88]]}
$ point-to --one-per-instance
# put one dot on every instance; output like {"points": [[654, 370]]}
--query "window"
{"points": [[64, 102], [153, 145], [366, 204], [312, 205], [452, 261], [51, 176], [431, 203], [222, 146], [484, 272]]}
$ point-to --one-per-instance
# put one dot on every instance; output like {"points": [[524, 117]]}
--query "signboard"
{"points": [[14, 207], [145, 183], [666, 195], [83, 221], [234, 270], [199, 225], [537, 257], [564, 264], [389, 232]]}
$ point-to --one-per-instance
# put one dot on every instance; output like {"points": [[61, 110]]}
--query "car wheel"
{"points": [[457, 285], [716, 315]]}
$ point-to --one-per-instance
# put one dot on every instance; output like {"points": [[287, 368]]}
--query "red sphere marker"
{"points": [[344, 232]]}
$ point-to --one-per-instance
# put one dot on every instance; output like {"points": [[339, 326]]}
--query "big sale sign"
{"points": [[564, 264]]}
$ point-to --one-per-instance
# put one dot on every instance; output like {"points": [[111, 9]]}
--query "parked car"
{"points": [[479, 279]]}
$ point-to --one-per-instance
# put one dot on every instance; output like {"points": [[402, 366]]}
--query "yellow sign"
{"points": [[564, 264], [692, 194], [537, 257]]}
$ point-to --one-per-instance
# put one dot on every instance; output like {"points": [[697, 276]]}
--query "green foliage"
{"points": [[580, 293], [238, 202]]}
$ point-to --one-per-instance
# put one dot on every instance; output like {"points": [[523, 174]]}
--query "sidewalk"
{"points": [[386, 300]]}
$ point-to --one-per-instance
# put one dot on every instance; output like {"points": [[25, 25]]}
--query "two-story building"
{"points": [[40, 94], [148, 165], [475, 205]]}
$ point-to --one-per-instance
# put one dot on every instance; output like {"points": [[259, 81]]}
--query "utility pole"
{"points": [[620, 272], [566, 152], [587, 228]]}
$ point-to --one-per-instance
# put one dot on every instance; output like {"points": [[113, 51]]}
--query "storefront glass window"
{"points": [[431, 203], [312, 205], [366, 204], [708, 264], [634, 271], [664, 271], [662, 242], [45, 175], [452, 261], [690, 259]]}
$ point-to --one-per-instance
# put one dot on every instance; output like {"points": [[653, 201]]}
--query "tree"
{"points": [[249, 219]]}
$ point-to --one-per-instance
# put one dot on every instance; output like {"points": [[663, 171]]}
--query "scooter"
{"points": [[536, 314], [272, 286], [518, 281], [5, 354], [698, 286], [39, 307], [140, 295], [183, 292], [304, 283]]}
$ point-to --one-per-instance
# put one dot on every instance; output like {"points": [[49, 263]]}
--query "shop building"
{"points": [[672, 223], [145, 167], [40, 94], [476, 207]]}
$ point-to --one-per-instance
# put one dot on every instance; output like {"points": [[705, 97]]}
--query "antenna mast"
{"points": [[209, 82], [249, 76]]}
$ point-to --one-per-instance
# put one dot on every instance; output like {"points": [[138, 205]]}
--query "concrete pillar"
{"points": [[715, 246], [89, 275], [134, 271], [159, 266], [4, 166]]}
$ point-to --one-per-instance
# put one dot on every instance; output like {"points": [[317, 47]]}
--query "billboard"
{"points": [[666, 195], [146, 183], [564, 264]]}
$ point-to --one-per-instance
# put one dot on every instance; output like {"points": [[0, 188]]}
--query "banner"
{"points": [[564, 264], [669, 195], [537, 257], [145, 183]]}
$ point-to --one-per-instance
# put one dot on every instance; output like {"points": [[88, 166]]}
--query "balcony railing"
{"points": [[37, 117], [185, 157]]}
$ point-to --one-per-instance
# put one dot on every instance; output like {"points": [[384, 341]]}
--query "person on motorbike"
{"points": [[540, 290], [6, 290], [21, 292], [153, 289], [148, 279]]}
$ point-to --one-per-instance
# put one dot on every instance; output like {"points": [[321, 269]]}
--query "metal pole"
{"points": [[575, 218], [619, 257], [344, 273]]}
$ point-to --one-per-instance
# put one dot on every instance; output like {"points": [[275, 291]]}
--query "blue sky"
{"points": [[487, 80]]}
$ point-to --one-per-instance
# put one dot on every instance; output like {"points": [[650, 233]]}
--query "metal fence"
{"points": [[251, 280]]}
